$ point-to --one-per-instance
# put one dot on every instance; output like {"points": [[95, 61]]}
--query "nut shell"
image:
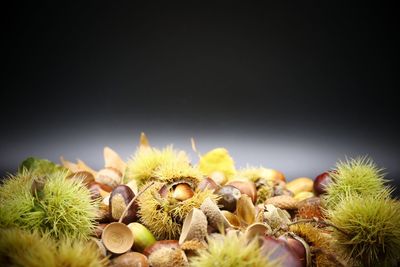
{"points": [[117, 238], [214, 216], [194, 226]]}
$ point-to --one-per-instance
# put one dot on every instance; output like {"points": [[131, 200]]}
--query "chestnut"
{"points": [[182, 192], [279, 249], [119, 200], [229, 197], [247, 188], [320, 183]]}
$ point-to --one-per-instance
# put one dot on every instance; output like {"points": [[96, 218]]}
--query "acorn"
{"points": [[143, 238], [182, 192], [119, 200], [246, 187], [117, 238], [194, 226], [130, 259], [229, 197]]}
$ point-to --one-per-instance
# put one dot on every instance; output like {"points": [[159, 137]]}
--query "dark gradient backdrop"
{"points": [[289, 87]]}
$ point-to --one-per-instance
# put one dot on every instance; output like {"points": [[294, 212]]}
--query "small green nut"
{"points": [[142, 236]]}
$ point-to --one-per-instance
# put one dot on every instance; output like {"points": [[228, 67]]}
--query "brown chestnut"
{"points": [[229, 197], [278, 249], [182, 192], [320, 183], [119, 200], [247, 188]]}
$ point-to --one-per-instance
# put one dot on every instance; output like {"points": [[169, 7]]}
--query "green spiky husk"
{"points": [[23, 248], [231, 251], [372, 227], [358, 176], [62, 208], [175, 172], [146, 160], [164, 216]]}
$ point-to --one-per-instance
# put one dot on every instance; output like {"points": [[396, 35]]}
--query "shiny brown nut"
{"points": [[229, 197], [320, 183], [119, 200], [278, 249], [246, 187]]}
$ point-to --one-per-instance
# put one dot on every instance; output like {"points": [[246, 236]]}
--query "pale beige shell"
{"points": [[117, 238], [214, 216], [194, 226]]}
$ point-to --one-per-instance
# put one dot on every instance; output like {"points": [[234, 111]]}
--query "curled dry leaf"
{"points": [[245, 210]]}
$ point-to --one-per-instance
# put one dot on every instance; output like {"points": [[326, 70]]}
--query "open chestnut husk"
{"points": [[119, 200]]}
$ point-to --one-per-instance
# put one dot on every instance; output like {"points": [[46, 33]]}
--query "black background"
{"points": [[293, 87]]}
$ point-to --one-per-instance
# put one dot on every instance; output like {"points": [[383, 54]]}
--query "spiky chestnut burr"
{"points": [[367, 229], [164, 216], [359, 176], [50, 204], [23, 248], [230, 251], [147, 160]]}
